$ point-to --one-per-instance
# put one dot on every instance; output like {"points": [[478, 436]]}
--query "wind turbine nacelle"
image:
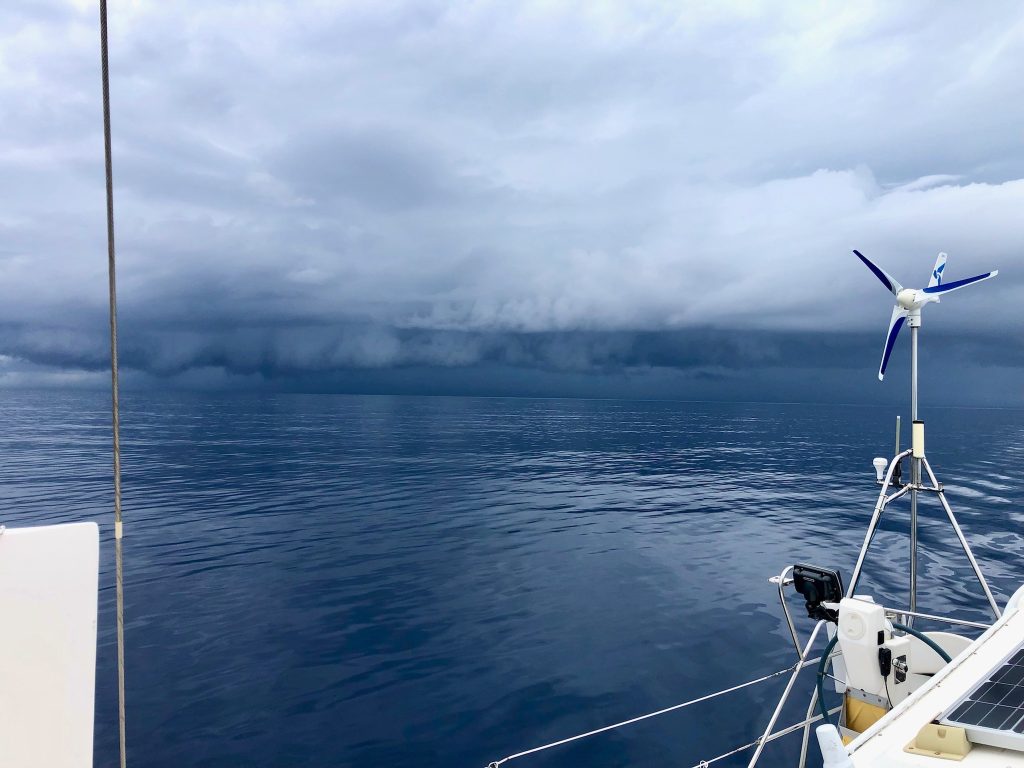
{"points": [[908, 299]]}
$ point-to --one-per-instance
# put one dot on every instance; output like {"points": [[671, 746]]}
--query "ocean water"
{"points": [[383, 581]]}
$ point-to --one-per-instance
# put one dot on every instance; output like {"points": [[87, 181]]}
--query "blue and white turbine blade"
{"points": [[932, 289], [886, 279], [899, 316], [940, 266]]}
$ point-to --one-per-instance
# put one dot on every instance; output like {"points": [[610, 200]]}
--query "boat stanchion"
{"points": [[783, 580], [785, 696]]}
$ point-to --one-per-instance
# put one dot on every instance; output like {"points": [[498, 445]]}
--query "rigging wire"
{"points": [[776, 735], [114, 387], [800, 664]]}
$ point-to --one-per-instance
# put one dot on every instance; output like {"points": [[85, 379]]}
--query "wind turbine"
{"points": [[909, 303]]}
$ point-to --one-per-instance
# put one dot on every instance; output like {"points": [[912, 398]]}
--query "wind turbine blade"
{"points": [[899, 316], [940, 266], [960, 283], [887, 280]]}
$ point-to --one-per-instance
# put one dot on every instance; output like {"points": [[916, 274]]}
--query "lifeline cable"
{"points": [[632, 720], [777, 735]]}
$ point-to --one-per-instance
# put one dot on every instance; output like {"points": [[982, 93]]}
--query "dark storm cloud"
{"points": [[282, 350], [576, 189]]}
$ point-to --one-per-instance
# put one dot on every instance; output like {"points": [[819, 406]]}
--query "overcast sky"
{"points": [[648, 199]]}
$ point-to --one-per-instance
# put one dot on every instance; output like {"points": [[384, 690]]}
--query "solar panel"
{"points": [[993, 712]]}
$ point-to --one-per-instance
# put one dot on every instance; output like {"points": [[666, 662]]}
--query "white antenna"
{"points": [[909, 303]]}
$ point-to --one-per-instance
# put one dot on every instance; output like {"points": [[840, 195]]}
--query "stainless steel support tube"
{"points": [[963, 543], [879, 506], [807, 728], [915, 474], [785, 608], [933, 617], [785, 696]]}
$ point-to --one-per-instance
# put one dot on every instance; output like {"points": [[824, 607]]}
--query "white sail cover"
{"points": [[49, 580]]}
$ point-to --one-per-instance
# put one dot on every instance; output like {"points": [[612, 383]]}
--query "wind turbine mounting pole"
{"points": [[915, 463], [909, 303]]}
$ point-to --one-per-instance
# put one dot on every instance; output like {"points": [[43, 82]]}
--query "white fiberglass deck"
{"points": [[48, 594], [883, 744]]}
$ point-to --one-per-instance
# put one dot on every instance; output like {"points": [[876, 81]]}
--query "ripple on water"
{"points": [[380, 580]]}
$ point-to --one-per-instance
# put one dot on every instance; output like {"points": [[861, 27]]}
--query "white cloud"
{"points": [[509, 167]]}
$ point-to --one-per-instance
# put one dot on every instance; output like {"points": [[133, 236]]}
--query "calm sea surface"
{"points": [[384, 581]]}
